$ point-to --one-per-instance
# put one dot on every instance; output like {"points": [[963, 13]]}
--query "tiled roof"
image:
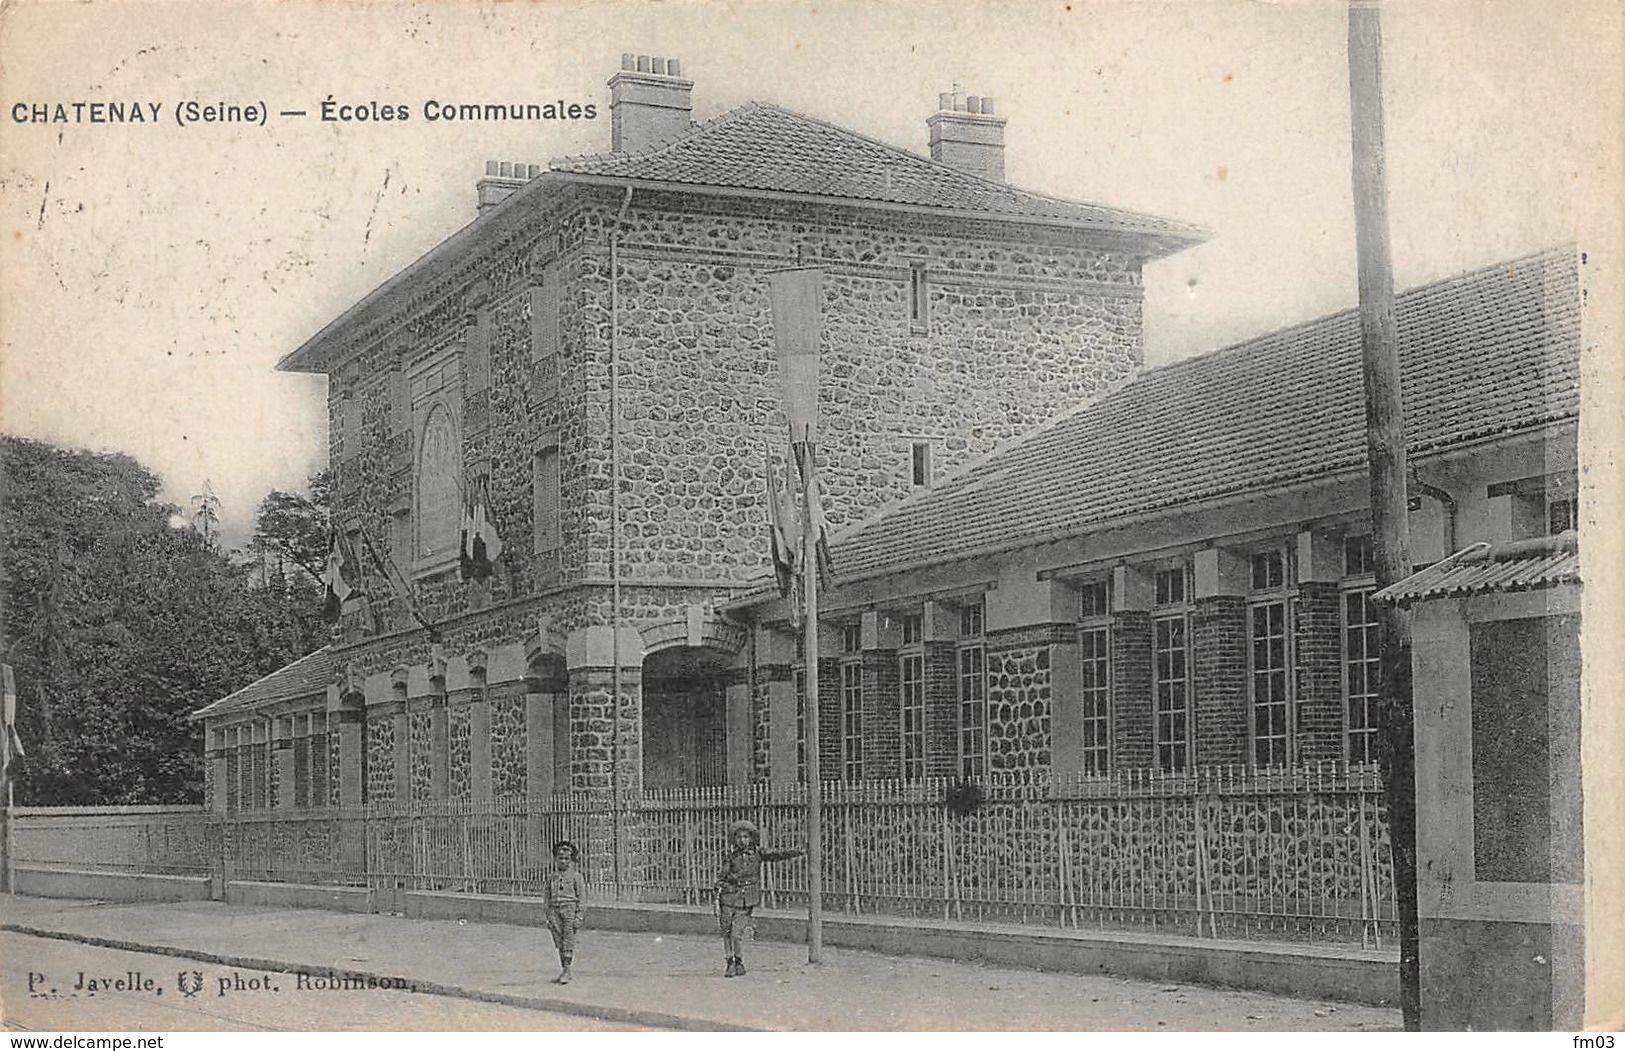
{"points": [[1523, 566], [767, 148], [1487, 353], [308, 675]]}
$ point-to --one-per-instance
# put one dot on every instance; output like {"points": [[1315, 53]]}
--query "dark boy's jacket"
{"points": [[739, 880]]}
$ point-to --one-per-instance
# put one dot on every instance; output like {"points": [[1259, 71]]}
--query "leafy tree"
{"points": [[119, 625], [292, 528]]}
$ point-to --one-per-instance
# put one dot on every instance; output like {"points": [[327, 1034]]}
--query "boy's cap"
{"points": [[565, 844], [743, 825]]}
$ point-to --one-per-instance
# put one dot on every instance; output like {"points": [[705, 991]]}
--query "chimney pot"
{"points": [[629, 61], [505, 169], [648, 105], [490, 167], [968, 136]]}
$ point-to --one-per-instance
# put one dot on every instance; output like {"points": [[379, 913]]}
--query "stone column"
{"points": [[1219, 658], [773, 701], [882, 707], [453, 773], [1133, 704], [595, 749]]}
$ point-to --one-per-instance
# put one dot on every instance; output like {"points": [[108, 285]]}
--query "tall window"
{"points": [[972, 692], [544, 330], [921, 473], [911, 702], [1094, 693], [852, 721], [1170, 658], [1267, 676], [918, 298], [1362, 651], [545, 500]]}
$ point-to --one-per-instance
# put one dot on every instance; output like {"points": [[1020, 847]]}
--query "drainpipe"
{"points": [[615, 527], [1446, 501]]}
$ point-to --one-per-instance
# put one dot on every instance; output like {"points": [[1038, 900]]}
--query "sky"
{"points": [[154, 274]]}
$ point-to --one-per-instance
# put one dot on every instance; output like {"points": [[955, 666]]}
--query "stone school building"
{"points": [[593, 357]]}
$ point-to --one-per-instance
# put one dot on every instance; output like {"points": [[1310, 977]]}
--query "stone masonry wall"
{"points": [[1019, 329], [1019, 704], [381, 759]]}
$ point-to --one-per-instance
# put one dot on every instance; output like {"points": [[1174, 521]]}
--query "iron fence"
{"points": [[1297, 853]]}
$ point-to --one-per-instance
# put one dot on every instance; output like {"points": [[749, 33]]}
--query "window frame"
{"points": [[1358, 582], [1095, 702], [1172, 613], [971, 741], [1263, 597]]}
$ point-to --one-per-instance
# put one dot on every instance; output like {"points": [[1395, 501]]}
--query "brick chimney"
{"points": [[966, 135], [501, 179], [648, 103]]}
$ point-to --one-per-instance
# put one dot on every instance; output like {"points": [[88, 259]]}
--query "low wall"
{"points": [[1309, 971], [299, 896], [108, 886]]}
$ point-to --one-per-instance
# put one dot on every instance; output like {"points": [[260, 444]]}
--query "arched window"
{"points": [[439, 491]]}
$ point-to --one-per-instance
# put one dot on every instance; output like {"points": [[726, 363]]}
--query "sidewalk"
{"points": [[672, 981]]}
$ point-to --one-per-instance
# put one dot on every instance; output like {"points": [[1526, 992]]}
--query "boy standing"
{"points": [[563, 896], [739, 888]]}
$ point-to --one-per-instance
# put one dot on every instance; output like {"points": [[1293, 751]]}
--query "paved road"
{"points": [[247, 1001]]}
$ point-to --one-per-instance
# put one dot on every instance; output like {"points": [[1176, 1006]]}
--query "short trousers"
{"points": [[564, 922]]}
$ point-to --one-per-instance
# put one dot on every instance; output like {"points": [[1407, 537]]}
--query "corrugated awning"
{"points": [[1524, 565]]}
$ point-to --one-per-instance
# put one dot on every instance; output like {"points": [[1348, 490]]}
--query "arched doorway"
{"points": [[685, 724]]}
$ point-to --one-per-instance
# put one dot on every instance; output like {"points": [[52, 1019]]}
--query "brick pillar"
{"points": [[1318, 670], [219, 793], [352, 757], [592, 729], [1133, 721], [282, 756], [1219, 679], [829, 719], [882, 715], [439, 748], [402, 756], [479, 747], [776, 723], [541, 777], [941, 670], [739, 711]]}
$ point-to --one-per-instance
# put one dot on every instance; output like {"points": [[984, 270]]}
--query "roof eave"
{"points": [[1153, 242], [307, 357]]}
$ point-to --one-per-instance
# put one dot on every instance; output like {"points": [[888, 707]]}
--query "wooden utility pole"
{"points": [[815, 784], [1385, 446], [797, 327]]}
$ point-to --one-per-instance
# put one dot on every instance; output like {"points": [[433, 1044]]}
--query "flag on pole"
{"points": [[334, 576], [784, 537], [481, 546], [797, 298], [815, 511], [14, 744]]}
